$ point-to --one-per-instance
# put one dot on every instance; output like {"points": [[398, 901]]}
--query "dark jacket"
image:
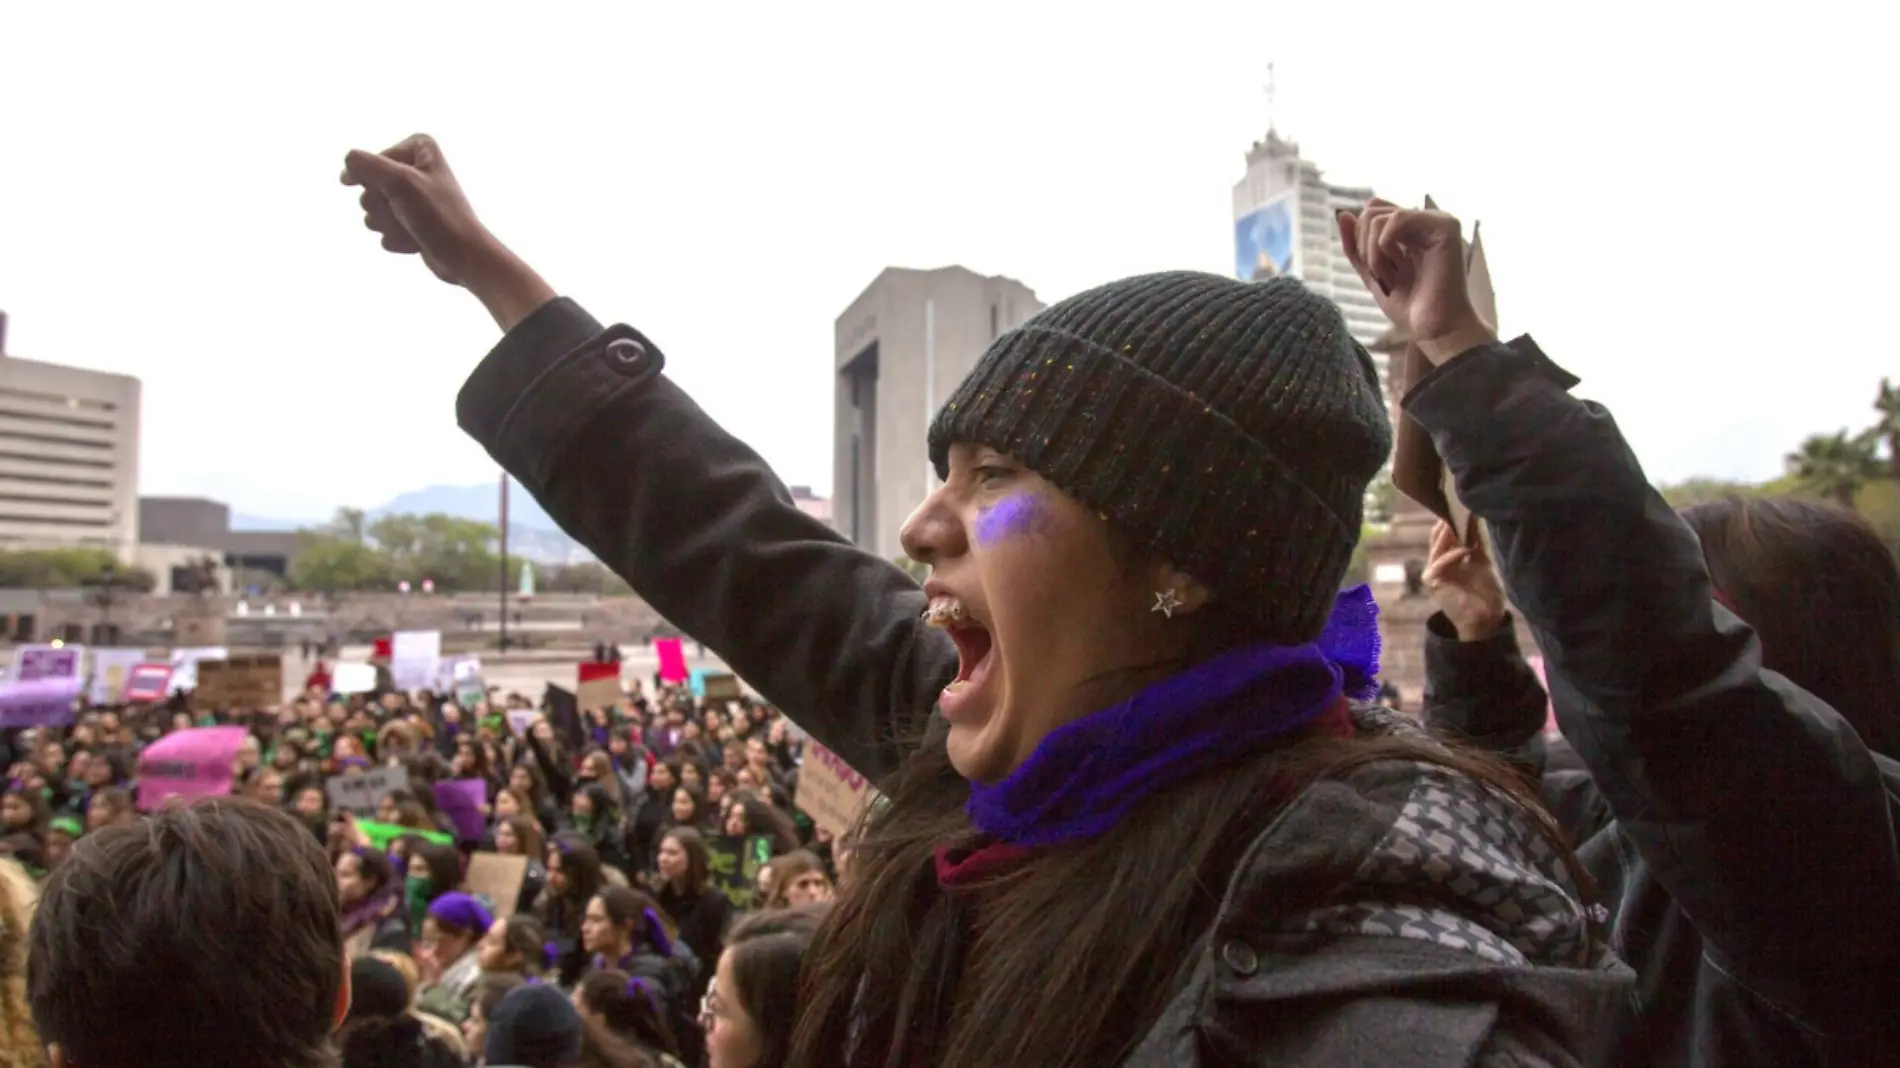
{"points": [[1400, 915], [1752, 864]]}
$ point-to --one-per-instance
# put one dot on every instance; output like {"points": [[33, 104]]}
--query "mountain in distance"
{"points": [[531, 533]]}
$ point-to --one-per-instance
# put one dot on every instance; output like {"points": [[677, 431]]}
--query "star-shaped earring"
{"points": [[1166, 601]]}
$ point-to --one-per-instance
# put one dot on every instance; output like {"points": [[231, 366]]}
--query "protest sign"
{"points": [[249, 682], [1417, 470], [381, 835], [109, 670], [188, 764], [185, 665], [520, 719], [360, 791], [34, 662], [721, 686], [353, 678], [736, 860], [465, 801], [599, 686], [496, 878], [147, 683], [830, 791], [672, 653], [413, 658], [42, 702]]}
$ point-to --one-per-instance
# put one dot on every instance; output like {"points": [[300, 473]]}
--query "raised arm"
{"points": [[691, 517], [1755, 803]]}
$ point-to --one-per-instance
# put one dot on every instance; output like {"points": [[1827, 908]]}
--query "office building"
{"points": [[1284, 224], [177, 531], [902, 348], [69, 456]]}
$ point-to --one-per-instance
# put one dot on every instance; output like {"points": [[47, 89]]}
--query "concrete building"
{"points": [[1284, 224], [902, 348], [69, 456], [177, 531]]}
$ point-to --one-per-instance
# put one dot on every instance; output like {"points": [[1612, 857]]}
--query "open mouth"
{"points": [[974, 646]]}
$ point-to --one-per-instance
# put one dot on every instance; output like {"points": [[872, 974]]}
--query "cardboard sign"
{"points": [[253, 682], [359, 792], [109, 670], [672, 653], [829, 791], [1417, 469], [188, 764], [599, 686], [721, 686], [496, 878], [736, 860], [147, 683], [185, 665]]}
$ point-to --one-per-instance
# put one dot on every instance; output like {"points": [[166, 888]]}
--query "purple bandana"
{"points": [[1085, 776]]}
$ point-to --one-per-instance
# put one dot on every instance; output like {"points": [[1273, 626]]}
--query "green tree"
{"points": [[1835, 466], [1381, 497], [51, 569], [1887, 427], [331, 565], [1704, 490], [349, 525]]}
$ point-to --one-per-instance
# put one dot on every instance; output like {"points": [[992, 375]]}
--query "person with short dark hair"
{"points": [[206, 937]]}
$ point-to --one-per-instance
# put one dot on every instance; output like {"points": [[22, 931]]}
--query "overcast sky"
{"points": [[1692, 211]]}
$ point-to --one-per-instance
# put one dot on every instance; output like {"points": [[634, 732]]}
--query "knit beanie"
{"points": [[1230, 428], [535, 1026]]}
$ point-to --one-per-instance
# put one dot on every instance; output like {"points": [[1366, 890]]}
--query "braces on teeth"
{"points": [[944, 612]]}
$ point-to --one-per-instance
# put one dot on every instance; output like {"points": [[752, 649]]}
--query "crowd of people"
{"points": [[1137, 801], [611, 809]]}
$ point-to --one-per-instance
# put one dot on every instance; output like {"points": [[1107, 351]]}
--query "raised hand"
{"points": [[1464, 585], [1414, 264], [411, 197]]}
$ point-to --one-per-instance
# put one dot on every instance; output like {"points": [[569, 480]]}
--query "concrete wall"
{"points": [[922, 357]]}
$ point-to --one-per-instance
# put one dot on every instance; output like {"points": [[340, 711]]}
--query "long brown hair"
{"points": [[1822, 592], [1044, 966]]}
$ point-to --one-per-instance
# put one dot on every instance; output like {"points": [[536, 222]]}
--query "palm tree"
{"points": [[1887, 429], [1836, 465]]}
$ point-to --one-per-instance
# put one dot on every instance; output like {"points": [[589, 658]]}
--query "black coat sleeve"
{"points": [[1757, 806], [697, 523]]}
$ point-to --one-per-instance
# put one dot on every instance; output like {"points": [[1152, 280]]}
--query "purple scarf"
{"points": [[1085, 776], [368, 911]]}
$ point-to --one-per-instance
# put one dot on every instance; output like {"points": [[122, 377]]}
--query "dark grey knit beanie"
{"points": [[1230, 428]]}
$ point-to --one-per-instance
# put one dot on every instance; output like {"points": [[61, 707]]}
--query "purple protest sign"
{"points": [[35, 662], [462, 800], [41, 702]]}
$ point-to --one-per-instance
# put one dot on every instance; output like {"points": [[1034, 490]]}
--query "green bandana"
{"points": [[415, 894]]}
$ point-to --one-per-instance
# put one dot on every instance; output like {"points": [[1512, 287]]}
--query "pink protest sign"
{"points": [[1550, 707], [672, 659], [188, 764]]}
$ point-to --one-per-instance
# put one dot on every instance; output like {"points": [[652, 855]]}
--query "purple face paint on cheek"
{"points": [[1014, 516]]}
